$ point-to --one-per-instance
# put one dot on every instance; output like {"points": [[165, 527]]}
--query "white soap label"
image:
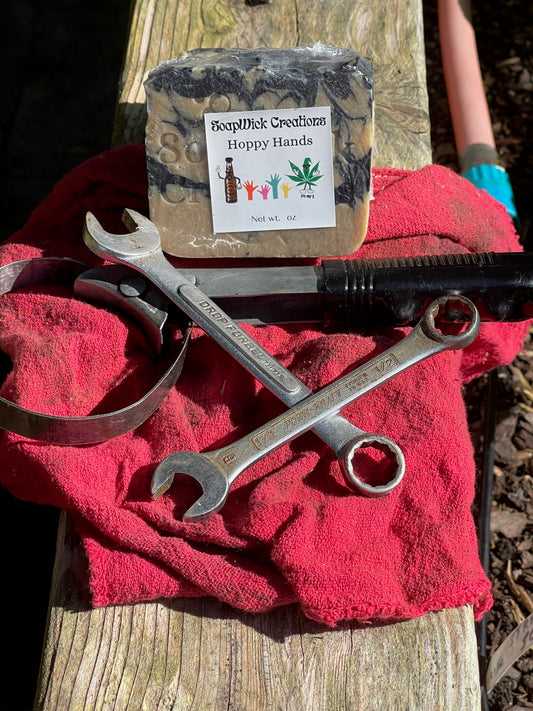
{"points": [[270, 170]]}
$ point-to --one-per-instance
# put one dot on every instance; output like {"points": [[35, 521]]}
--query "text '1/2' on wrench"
{"points": [[141, 249], [216, 471]]}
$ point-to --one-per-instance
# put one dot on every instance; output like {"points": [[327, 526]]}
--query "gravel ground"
{"points": [[63, 61], [504, 34]]}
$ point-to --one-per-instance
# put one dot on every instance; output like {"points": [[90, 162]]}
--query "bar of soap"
{"points": [[276, 84]]}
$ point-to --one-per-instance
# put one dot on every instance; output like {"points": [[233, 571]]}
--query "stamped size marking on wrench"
{"points": [[197, 300], [376, 371], [216, 471], [141, 249]]}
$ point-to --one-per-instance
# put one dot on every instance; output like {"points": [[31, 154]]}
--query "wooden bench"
{"points": [[200, 654]]}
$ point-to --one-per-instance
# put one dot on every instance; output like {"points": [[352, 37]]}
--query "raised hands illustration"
{"points": [[274, 182], [286, 187], [250, 187], [264, 190]]}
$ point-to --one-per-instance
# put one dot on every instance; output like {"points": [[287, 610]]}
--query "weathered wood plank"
{"points": [[200, 654], [389, 32]]}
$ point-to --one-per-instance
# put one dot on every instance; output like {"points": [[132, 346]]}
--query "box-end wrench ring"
{"points": [[141, 249], [216, 471]]}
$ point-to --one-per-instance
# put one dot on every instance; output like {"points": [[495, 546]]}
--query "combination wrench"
{"points": [[141, 249], [216, 470]]}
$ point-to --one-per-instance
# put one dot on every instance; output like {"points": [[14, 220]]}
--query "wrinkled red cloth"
{"points": [[291, 530]]}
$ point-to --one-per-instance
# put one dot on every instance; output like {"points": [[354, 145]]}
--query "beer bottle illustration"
{"points": [[231, 182]]}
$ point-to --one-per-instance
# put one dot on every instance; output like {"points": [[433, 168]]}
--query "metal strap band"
{"points": [[90, 429]]}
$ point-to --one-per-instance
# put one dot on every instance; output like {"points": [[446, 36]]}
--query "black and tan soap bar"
{"points": [[181, 91]]}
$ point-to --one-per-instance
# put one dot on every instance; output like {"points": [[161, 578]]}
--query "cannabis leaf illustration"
{"points": [[305, 176]]}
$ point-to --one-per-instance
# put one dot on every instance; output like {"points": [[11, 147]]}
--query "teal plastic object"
{"points": [[495, 180]]}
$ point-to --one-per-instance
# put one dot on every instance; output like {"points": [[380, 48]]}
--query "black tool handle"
{"points": [[375, 292]]}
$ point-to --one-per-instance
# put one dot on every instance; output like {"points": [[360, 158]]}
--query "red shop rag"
{"points": [[291, 530]]}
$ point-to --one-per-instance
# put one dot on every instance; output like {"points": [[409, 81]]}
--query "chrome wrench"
{"points": [[141, 249], [216, 471]]}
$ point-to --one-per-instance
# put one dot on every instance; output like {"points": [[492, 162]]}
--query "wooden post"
{"points": [[201, 654], [390, 32]]}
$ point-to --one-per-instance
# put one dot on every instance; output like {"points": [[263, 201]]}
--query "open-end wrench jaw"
{"points": [[142, 240], [215, 486]]}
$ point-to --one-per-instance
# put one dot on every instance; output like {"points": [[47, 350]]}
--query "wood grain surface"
{"points": [[197, 655], [389, 32]]}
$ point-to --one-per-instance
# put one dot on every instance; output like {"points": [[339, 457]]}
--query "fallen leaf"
{"points": [[509, 523]]}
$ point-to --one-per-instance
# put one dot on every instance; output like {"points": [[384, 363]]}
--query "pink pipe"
{"points": [[464, 85]]}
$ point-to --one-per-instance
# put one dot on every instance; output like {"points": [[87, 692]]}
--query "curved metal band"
{"points": [[90, 429]]}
